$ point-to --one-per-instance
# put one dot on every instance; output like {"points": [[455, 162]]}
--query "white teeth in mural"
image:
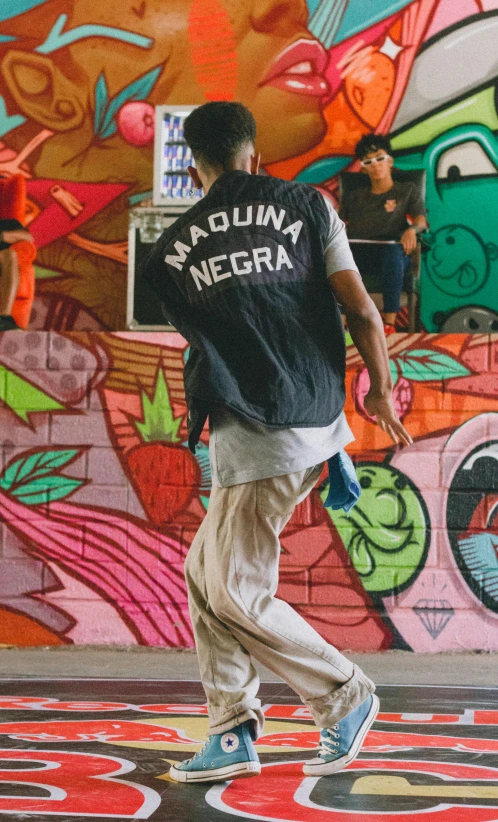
{"points": [[298, 84], [301, 68]]}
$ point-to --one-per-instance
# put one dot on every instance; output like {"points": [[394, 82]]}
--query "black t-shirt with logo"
{"points": [[381, 216]]}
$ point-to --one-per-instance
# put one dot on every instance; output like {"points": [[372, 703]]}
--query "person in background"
{"points": [[11, 232], [251, 276], [388, 210]]}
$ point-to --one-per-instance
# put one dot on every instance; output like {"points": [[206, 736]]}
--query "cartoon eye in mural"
{"points": [[386, 534], [466, 160], [472, 521]]}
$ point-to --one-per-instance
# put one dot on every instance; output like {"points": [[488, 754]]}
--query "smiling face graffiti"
{"points": [[386, 533], [459, 262]]}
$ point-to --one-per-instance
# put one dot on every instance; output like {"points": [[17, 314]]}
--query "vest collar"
{"points": [[225, 178]]}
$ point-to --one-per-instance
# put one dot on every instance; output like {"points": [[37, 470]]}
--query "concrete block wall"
{"points": [[99, 500]]}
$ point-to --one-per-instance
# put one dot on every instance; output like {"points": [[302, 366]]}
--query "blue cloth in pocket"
{"points": [[344, 488]]}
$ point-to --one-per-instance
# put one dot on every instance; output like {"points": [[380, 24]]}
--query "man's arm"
{"points": [[365, 326], [416, 209], [367, 331], [409, 237]]}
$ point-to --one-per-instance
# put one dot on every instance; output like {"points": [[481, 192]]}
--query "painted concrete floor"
{"points": [[80, 749]]}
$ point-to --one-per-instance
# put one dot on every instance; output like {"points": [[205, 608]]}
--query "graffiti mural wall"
{"points": [[100, 499], [80, 80]]}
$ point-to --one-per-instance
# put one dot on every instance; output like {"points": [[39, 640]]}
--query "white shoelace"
{"points": [[199, 753], [328, 745]]}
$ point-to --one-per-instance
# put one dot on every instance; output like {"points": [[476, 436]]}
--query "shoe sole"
{"points": [[237, 770], [338, 764]]}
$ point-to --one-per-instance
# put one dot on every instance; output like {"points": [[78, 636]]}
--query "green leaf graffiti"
{"points": [[106, 109], [424, 365], [39, 464], [34, 479], [46, 490]]}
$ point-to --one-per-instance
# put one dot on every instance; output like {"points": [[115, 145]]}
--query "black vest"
{"points": [[242, 277]]}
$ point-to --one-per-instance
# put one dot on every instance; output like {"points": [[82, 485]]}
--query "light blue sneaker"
{"points": [[223, 756], [341, 744]]}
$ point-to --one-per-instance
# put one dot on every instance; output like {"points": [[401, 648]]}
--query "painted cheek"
{"points": [[369, 89], [213, 49], [136, 123]]}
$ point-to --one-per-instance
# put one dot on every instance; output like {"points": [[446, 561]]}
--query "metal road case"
{"points": [[143, 309]]}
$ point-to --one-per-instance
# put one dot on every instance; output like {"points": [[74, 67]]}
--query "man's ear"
{"points": [[42, 92], [255, 161], [194, 176]]}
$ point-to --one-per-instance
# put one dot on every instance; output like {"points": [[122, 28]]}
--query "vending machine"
{"points": [[173, 193]]}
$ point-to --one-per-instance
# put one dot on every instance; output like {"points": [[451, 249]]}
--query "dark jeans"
{"points": [[388, 264]]}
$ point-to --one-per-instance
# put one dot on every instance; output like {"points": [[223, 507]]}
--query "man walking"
{"points": [[252, 276]]}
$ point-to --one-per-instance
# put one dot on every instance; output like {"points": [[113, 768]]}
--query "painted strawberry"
{"points": [[402, 394], [163, 471]]}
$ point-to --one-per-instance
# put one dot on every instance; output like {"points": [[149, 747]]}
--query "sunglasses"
{"points": [[380, 159]]}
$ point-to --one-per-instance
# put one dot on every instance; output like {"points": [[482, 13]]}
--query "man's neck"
{"points": [[215, 174], [381, 186], [246, 160]]}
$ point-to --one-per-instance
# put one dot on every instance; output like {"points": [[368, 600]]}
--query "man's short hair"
{"points": [[217, 131], [370, 143]]}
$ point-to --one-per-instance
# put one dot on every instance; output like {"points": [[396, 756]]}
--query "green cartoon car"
{"points": [[448, 125]]}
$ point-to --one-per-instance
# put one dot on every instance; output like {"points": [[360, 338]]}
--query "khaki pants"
{"points": [[232, 576]]}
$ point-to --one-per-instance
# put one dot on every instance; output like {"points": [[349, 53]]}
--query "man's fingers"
{"points": [[395, 430], [390, 430], [402, 433], [409, 244]]}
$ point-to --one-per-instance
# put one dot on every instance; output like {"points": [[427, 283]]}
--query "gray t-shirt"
{"points": [[242, 451], [381, 216]]}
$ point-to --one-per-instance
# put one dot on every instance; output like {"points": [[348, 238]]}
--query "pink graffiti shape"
{"points": [[54, 221]]}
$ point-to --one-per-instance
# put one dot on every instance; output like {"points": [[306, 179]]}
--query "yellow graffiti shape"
{"points": [[399, 786], [193, 732]]}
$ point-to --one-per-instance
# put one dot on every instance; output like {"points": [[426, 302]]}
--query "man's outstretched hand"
{"points": [[385, 414], [367, 332]]}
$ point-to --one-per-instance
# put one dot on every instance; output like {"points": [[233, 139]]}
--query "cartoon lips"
{"points": [[299, 69]]}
